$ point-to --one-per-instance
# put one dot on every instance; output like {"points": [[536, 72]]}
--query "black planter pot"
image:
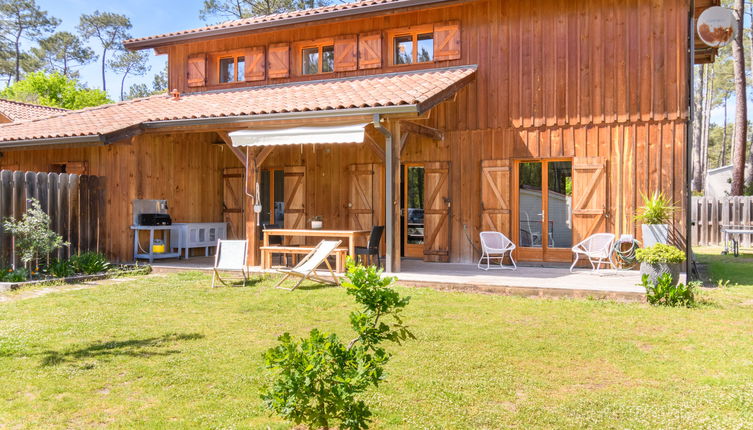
{"points": [[654, 271]]}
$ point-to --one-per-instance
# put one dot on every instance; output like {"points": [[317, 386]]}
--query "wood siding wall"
{"points": [[185, 169]]}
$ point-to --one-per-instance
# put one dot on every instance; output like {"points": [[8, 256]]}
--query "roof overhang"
{"points": [[212, 33]]}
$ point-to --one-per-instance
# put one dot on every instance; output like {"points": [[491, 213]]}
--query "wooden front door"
{"points": [[543, 215], [365, 183], [233, 180], [437, 211], [295, 197]]}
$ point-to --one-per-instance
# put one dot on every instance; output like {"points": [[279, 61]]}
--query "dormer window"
{"points": [[318, 59], [232, 69], [413, 48]]}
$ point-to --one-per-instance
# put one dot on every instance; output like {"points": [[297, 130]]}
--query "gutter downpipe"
{"points": [[689, 145], [388, 200]]}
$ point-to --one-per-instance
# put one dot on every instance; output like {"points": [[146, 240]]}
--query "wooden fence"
{"points": [[708, 215], [75, 204]]}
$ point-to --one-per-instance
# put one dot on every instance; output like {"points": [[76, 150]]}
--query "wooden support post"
{"points": [[252, 232]]}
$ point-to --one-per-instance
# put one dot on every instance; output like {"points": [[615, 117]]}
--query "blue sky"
{"points": [[147, 16]]}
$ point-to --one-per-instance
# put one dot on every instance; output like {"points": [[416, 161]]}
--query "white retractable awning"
{"points": [[353, 133]]}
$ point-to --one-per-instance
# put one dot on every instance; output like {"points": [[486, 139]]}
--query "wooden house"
{"points": [[545, 120]]}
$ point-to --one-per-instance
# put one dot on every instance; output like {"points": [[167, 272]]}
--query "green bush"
{"points": [[34, 237], [656, 209], [664, 293], [318, 379], [61, 268], [660, 253], [18, 275], [90, 263]]}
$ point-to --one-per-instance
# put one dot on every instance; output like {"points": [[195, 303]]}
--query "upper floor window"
{"points": [[413, 48], [318, 59], [232, 69]]}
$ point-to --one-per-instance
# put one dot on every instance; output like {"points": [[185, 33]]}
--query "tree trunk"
{"points": [[708, 98], [698, 129], [723, 150], [741, 104], [122, 85], [18, 57], [104, 82]]}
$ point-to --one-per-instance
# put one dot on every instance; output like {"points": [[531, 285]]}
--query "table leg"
{"points": [[135, 244], [151, 246], [352, 246]]}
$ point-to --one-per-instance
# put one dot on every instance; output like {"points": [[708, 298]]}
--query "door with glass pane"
{"points": [[543, 214], [412, 210]]}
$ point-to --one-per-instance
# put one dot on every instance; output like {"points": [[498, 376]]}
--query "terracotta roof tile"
{"points": [[17, 111], [363, 6], [418, 87]]}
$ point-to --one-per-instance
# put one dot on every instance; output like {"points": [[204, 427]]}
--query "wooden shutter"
{"points": [[370, 50], [589, 196], [495, 196], [233, 195], [447, 41], [197, 70], [346, 53], [365, 185], [437, 211], [256, 65], [295, 197], [279, 60]]}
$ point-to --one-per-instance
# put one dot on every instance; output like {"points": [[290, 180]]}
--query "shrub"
{"points": [[660, 253], [18, 275], [319, 378], [34, 238], [656, 209], [90, 263], [61, 268], [664, 293]]}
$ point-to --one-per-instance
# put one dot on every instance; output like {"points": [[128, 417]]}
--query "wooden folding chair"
{"points": [[306, 268], [230, 257]]}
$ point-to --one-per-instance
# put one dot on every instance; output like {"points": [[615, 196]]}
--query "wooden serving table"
{"points": [[351, 235]]}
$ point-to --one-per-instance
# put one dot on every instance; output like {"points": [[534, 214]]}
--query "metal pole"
{"points": [[388, 200], [689, 144]]}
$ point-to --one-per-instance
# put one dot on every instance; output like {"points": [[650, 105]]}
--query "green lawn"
{"points": [[169, 352]]}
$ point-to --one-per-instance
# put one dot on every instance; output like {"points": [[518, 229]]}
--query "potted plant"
{"points": [[660, 259], [316, 223], [654, 216]]}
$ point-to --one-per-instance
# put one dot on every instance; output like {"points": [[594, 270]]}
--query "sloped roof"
{"points": [[421, 89], [279, 19], [17, 111]]}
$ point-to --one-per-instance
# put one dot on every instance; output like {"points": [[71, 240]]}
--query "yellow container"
{"points": [[158, 247]]}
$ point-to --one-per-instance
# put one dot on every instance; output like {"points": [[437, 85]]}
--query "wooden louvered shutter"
{"points": [[495, 196], [255, 64], [370, 50], [447, 41], [279, 60], [295, 197], [437, 211], [346, 53], [589, 196], [197, 70]]}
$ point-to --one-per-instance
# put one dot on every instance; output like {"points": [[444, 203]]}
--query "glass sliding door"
{"points": [[544, 210]]}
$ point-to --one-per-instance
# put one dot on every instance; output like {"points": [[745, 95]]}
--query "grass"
{"points": [[169, 352]]}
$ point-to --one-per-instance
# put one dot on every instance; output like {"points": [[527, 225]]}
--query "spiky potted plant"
{"points": [[654, 216], [660, 259]]}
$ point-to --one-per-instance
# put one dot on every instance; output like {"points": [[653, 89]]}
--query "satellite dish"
{"points": [[716, 26]]}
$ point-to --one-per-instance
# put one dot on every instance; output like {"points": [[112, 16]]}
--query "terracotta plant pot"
{"points": [[655, 270]]}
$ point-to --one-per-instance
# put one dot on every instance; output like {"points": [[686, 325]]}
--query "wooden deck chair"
{"points": [[306, 268], [230, 257]]}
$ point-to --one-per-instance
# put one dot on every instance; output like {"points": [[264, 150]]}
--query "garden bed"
{"points": [[123, 270]]}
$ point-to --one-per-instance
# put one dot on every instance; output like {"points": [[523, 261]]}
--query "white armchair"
{"points": [[597, 248], [495, 245]]}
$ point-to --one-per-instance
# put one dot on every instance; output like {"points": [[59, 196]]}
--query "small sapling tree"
{"points": [[33, 236], [319, 378]]}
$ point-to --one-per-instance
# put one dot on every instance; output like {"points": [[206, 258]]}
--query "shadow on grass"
{"points": [[142, 348]]}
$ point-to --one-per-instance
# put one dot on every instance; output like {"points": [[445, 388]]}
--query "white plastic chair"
{"points": [[230, 257], [597, 248], [306, 268], [495, 245]]}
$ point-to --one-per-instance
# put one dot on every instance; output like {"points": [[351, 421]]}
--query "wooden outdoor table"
{"points": [[351, 235]]}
